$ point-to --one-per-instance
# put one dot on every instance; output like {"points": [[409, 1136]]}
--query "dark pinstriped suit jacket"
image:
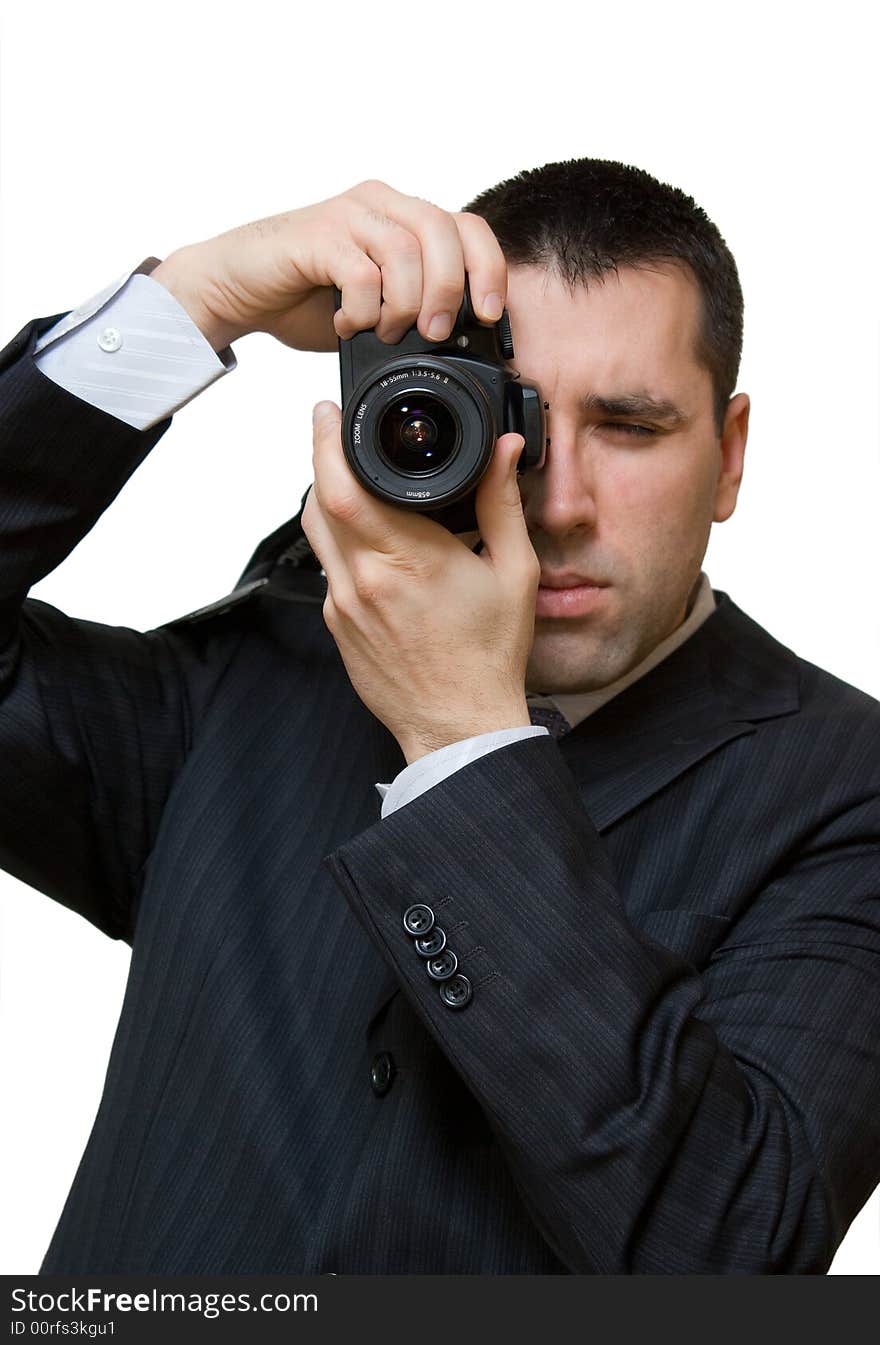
{"points": [[670, 920]]}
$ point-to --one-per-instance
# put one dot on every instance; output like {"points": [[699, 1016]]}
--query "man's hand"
{"points": [[435, 639], [398, 260]]}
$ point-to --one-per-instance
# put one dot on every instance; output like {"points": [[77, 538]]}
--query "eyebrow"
{"points": [[636, 404]]}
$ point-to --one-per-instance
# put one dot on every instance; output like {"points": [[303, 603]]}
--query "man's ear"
{"points": [[733, 448]]}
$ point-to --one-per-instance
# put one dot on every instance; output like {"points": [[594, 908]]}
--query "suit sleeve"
{"points": [[95, 720], [656, 1119]]}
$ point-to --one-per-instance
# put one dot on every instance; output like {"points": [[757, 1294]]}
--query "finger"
{"points": [[397, 252], [360, 281], [485, 264], [441, 258], [354, 517], [321, 539], [335, 488], [498, 507]]}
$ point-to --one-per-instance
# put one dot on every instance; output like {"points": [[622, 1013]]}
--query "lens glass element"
{"points": [[418, 433]]}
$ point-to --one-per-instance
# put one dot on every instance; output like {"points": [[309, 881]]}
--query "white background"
{"points": [[129, 130]]}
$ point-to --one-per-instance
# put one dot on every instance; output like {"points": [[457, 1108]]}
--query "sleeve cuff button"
{"points": [[417, 920], [432, 943], [457, 992], [442, 967]]}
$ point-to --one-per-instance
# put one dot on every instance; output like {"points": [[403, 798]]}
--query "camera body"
{"points": [[420, 418]]}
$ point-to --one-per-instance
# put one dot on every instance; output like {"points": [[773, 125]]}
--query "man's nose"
{"points": [[560, 496]]}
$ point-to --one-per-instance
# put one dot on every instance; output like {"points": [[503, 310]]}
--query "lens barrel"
{"points": [[419, 431]]}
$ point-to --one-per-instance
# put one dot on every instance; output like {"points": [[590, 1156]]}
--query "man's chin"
{"points": [[569, 660], [560, 665]]}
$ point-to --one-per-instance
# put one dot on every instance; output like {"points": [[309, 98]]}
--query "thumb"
{"points": [[326, 423], [498, 505], [325, 411]]}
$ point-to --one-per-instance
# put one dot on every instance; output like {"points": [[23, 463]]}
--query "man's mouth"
{"points": [[567, 594], [570, 579]]}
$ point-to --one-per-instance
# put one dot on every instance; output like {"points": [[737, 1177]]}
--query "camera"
{"points": [[420, 418]]}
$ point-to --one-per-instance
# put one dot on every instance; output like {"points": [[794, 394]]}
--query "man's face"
{"points": [[612, 503]]}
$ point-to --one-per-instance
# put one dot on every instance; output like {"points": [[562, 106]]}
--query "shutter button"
{"points": [[110, 339], [381, 1073]]}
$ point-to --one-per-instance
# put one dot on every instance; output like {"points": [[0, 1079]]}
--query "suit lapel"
{"points": [[728, 676], [612, 785]]}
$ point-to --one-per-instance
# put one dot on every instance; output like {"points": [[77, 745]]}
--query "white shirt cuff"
{"points": [[132, 350], [429, 770]]}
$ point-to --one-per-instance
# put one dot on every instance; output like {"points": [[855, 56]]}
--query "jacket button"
{"points": [[442, 967], [381, 1073], [457, 992], [429, 945], [418, 919]]}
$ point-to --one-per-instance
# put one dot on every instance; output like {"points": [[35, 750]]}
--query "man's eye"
{"points": [[637, 431]]}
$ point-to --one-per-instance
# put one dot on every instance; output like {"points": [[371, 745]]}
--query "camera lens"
{"points": [[418, 433]]}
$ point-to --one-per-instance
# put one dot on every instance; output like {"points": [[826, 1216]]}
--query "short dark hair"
{"points": [[582, 217]]}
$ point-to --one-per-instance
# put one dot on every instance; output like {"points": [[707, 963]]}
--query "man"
{"points": [[604, 999]]}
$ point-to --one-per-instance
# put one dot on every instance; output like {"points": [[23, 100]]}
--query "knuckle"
{"points": [[370, 184], [344, 247], [341, 505], [524, 570], [339, 605], [397, 309], [369, 580], [380, 217], [436, 214], [531, 572], [362, 270], [476, 223]]}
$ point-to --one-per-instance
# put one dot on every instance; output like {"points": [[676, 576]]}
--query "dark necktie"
{"points": [[551, 719]]}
